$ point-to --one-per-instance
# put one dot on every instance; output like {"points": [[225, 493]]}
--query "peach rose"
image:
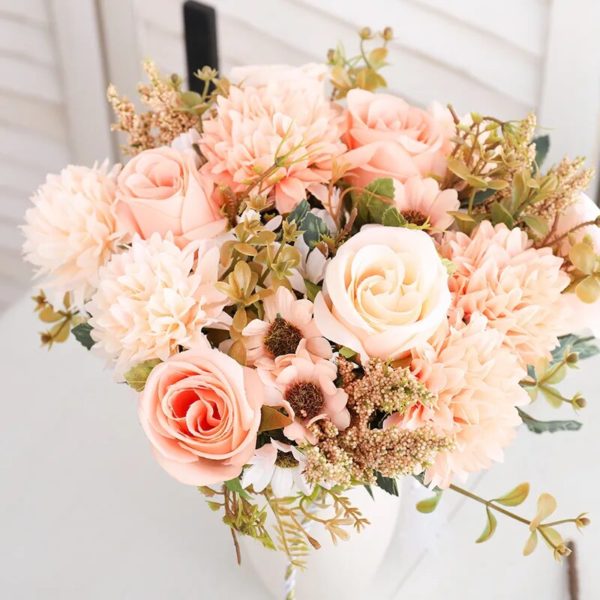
{"points": [[581, 315], [161, 190], [385, 292], [387, 137], [201, 411]]}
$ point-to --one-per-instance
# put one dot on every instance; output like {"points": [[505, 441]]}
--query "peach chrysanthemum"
{"points": [[71, 230], [517, 287], [154, 298], [253, 127], [287, 323], [421, 201], [476, 380]]}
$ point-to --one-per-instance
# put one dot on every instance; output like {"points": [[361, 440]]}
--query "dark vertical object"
{"points": [[200, 25]]}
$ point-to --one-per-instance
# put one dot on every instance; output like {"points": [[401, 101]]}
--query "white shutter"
{"points": [[52, 110]]}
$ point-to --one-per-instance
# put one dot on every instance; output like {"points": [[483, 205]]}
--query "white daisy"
{"points": [[279, 465]]}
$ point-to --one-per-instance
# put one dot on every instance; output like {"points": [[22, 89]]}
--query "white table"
{"points": [[86, 513]]}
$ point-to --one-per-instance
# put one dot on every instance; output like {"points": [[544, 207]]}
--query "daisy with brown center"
{"points": [[288, 326], [306, 389]]}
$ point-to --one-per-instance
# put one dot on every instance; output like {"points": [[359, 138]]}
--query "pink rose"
{"points": [[387, 137], [161, 190], [385, 292], [581, 315], [201, 411]]}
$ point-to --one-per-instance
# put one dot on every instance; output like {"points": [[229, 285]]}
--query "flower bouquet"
{"points": [[316, 287]]}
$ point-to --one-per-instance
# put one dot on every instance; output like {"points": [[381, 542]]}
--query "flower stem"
{"points": [[567, 233], [489, 504]]}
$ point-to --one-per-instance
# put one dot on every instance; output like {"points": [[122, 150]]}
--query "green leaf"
{"points": [[347, 352], [214, 506], [515, 497], [392, 218], [382, 187], [272, 419], [552, 395], [588, 289], [312, 226], [459, 168], [585, 347], [429, 504], [82, 333], [372, 209], [369, 490], [421, 479], [490, 527], [538, 225], [546, 505], [500, 214], [542, 145], [531, 543], [481, 197], [537, 426], [387, 484], [136, 376], [312, 289], [49, 315], [235, 486]]}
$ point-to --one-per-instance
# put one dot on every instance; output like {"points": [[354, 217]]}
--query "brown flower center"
{"points": [[305, 398], [282, 337], [414, 217], [285, 460]]}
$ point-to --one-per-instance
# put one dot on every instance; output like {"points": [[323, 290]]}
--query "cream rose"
{"points": [[387, 137], [201, 411], [161, 190], [385, 292]]}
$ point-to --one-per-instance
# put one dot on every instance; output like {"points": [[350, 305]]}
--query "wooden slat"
{"points": [[29, 79], [163, 46], [11, 236], [29, 148], [13, 204], [27, 41], [32, 11], [522, 23], [83, 79], [33, 114], [20, 179], [570, 99]]}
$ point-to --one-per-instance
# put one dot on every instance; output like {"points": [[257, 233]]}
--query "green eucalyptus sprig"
{"points": [[62, 319], [362, 70], [539, 526], [543, 378]]}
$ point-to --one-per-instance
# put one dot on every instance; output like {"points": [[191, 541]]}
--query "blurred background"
{"points": [[57, 57]]}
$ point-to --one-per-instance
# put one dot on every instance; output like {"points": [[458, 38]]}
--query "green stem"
{"points": [[489, 504]]}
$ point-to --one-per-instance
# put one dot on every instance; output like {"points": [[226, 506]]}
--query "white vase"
{"points": [[346, 570]]}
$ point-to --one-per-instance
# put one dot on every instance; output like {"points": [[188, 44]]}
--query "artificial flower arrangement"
{"points": [[315, 286]]}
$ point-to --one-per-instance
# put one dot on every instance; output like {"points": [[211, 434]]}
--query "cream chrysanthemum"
{"points": [[517, 287], [255, 126], [154, 298], [71, 230], [476, 380]]}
